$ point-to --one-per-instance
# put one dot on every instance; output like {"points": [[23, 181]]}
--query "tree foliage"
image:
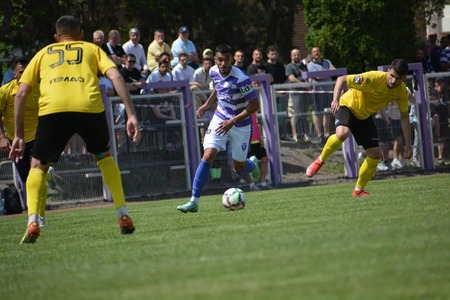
{"points": [[363, 35], [245, 24]]}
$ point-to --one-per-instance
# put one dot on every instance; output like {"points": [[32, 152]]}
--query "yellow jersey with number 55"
{"points": [[68, 76]]}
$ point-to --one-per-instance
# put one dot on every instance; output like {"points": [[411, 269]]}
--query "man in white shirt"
{"points": [[201, 74], [133, 47], [182, 71]]}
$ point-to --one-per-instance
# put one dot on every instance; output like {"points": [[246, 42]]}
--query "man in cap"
{"points": [[208, 53], [133, 47], [183, 45]]}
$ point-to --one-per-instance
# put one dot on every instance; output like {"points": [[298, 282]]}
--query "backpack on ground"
{"points": [[11, 200]]}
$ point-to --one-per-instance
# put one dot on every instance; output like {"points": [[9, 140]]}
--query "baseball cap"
{"points": [[134, 30], [183, 29], [207, 51]]}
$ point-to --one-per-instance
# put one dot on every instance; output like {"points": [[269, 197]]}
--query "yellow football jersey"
{"points": [[68, 76], [7, 95], [368, 93]]}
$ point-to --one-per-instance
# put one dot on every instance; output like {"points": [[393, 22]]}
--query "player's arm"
{"points": [[338, 87], [121, 90], [253, 106], [225, 126], [18, 144], [201, 110]]}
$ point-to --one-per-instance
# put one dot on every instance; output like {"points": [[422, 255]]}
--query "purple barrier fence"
{"points": [[350, 160], [270, 128]]}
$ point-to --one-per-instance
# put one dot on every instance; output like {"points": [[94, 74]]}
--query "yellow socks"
{"points": [[113, 179], [34, 183], [42, 199], [331, 146], [366, 172]]}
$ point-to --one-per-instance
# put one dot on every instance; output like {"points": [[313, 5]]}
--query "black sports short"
{"points": [[364, 131], [257, 150], [55, 130]]}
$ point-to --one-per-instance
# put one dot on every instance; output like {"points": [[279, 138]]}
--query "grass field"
{"points": [[297, 243]]}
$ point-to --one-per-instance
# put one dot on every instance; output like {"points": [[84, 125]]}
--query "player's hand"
{"points": [[224, 127], [201, 110], [335, 106], [133, 130], [17, 149]]}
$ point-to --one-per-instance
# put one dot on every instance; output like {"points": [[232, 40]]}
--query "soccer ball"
{"points": [[233, 199]]}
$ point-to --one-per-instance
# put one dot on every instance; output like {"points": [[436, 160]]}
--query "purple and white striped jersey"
{"points": [[233, 94]]}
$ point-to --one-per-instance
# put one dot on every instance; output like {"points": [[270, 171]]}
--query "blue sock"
{"points": [[201, 176], [249, 166]]}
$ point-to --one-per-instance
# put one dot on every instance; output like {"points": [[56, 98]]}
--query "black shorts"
{"points": [[364, 131], [257, 150], [55, 130]]}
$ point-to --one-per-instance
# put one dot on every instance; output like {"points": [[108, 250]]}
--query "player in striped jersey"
{"points": [[231, 121]]}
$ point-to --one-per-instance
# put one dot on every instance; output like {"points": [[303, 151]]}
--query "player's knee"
{"points": [[374, 153]]}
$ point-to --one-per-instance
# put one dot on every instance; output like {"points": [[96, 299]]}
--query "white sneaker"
{"points": [[382, 166], [41, 221], [396, 164], [415, 163]]}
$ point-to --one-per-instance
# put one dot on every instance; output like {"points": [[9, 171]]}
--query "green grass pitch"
{"points": [[296, 243]]}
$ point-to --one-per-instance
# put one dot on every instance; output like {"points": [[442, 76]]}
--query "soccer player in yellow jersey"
{"points": [[368, 93], [7, 95], [70, 102]]}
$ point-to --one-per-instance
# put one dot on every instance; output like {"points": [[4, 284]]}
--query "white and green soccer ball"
{"points": [[233, 199]]}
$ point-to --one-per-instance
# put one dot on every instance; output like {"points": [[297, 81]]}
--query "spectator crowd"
{"points": [[307, 121]]}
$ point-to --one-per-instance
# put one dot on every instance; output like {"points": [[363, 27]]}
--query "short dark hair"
{"points": [[224, 48], [164, 53], [272, 48], [207, 58], [400, 66], [20, 60], [130, 55], [68, 25]]}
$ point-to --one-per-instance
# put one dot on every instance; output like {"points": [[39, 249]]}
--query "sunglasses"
{"points": [[132, 61]]}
